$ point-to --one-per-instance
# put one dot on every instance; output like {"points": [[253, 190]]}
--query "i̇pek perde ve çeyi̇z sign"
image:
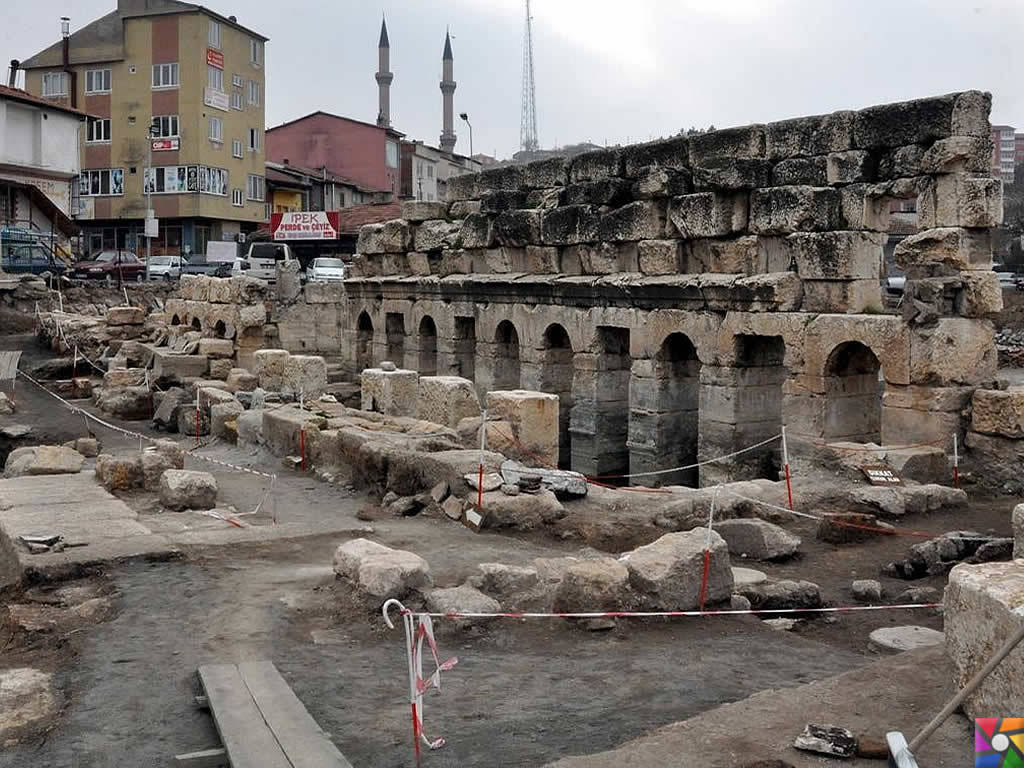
{"points": [[304, 225]]}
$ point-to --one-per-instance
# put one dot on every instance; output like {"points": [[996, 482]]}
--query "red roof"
{"points": [[17, 94], [352, 218]]}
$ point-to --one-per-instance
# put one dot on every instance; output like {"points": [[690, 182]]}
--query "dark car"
{"points": [[111, 266], [30, 259]]}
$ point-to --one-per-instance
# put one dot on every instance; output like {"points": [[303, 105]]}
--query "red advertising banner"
{"points": [[304, 225], [215, 58]]}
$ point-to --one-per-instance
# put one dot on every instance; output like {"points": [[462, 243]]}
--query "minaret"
{"points": [[384, 76], [448, 95]]}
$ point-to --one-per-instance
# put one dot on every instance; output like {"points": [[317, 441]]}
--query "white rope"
{"points": [[695, 465]]}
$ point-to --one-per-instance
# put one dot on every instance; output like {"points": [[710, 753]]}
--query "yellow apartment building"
{"points": [[177, 83]]}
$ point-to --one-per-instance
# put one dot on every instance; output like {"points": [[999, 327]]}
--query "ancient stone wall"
{"points": [[686, 298]]}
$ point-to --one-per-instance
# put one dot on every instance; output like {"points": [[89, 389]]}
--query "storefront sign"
{"points": [[304, 225], [215, 58], [58, 191], [216, 99], [165, 145]]}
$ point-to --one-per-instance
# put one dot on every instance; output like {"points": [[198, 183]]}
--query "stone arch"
{"points": [[364, 341], [668, 416], [394, 332], [175, 320], [759, 376], [428, 346], [220, 329], [556, 374], [196, 324], [506, 356], [853, 394]]}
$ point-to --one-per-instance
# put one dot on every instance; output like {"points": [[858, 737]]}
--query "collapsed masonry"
{"points": [[688, 297]]}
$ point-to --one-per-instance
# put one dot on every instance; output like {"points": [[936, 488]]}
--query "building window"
{"points": [[254, 93], [97, 131], [97, 81], [165, 75], [237, 80], [255, 53], [165, 126], [175, 179], [430, 171], [255, 189], [216, 129], [215, 78], [254, 140], [102, 181], [55, 84], [236, 148], [236, 100], [236, 197], [391, 154], [214, 34]]}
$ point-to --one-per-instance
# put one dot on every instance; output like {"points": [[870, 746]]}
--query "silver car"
{"points": [[164, 267], [326, 269]]}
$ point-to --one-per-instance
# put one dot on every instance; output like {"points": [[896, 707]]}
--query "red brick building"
{"points": [[363, 152]]}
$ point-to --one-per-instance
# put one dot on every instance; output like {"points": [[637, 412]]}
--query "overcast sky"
{"points": [[609, 71]]}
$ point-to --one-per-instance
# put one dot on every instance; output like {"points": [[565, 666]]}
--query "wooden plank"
{"points": [[243, 731], [303, 741], [206, 758]]}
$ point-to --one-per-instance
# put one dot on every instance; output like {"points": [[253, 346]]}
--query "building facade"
{"points": [[176, 94], [1004, 152], [363, 153], [39, 167]]}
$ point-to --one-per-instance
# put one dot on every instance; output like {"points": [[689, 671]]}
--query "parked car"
{"points": [[30, 259], [261, 260], [325, 269], [112, 267], [164, 267]]}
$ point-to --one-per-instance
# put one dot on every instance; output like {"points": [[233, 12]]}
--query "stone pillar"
{"points": [[662, 425], [599, 421]]}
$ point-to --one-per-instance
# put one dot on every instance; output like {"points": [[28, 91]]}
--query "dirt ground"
{"points": [[523, 693]]}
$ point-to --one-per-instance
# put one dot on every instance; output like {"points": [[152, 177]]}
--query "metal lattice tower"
{"points": [[528, 124]]}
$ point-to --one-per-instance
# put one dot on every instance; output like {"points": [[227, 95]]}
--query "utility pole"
{"points": [[149, 179]]}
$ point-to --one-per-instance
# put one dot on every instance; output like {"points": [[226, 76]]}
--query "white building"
{"points": [[39, 169]]}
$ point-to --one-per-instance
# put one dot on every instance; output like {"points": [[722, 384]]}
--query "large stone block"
{"points": [[800, 170], [660, 257], [803, 136], [781, 210], [220, 290], [570, 225], [847, 296], [960, 200], [998, 412], [186, 489], [901, 162], [534, 420], [542, 259], [305, 376], [464, 208], [498, 201], [599, 164], [747, 255], [640, 220], [953, 247], [126, 316], [416, 211], [732, 173], [958, 154], [920, 121], [850, 167], [611, 191], [744, 141], [655, 182], [220, 349], [392, 393], [709, 214], [667, 574], [436, 234], [124, 377], [221, 416], [995, 462], [981, 295], [594, 584], [446, 400], [455, 262], [461, 187], [171, 368], [388, 237], [45, 460], [477, 231], [544, 174], [665, 153], [269, 368], [837, 255], [758, 539], [518, 228], [983, 607], [953, 351]]}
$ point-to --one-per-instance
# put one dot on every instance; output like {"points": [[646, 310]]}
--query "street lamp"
{"points": [[465, 117]]}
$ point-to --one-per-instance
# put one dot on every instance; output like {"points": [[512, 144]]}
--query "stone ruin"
{"points": [[685, 298]]}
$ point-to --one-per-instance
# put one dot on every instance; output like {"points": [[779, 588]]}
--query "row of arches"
{"points": [[219, 329], [620, 415]]}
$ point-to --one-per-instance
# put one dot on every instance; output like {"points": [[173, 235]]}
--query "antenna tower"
{"points": [[528, 125]]}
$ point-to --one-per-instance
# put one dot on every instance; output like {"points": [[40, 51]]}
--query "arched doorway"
{"points": [[853, 394], [394, 330], [219, 330], [175, 320], [364, 342], [556, 374], [428, 347], [196, 325], [677, 386], [760, 374], [506, 356]]}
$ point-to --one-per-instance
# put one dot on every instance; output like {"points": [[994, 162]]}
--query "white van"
{"points": [[261, 260]]}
